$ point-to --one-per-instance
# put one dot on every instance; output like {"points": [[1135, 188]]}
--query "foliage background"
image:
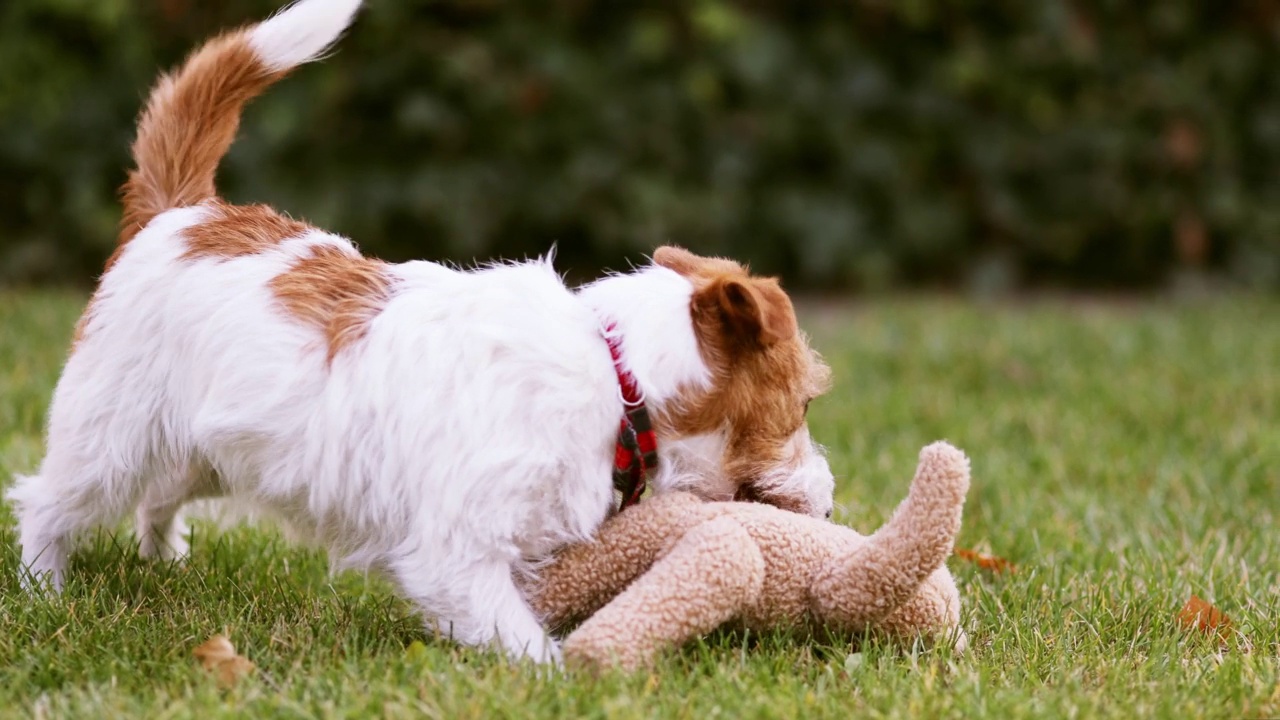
{"points": [[851, 145]]}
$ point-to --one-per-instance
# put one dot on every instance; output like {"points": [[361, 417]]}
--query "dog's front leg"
{"points": [[480, 605]]}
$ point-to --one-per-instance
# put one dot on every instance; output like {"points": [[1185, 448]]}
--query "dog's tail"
{"points": [[860, 589], [191, 116]]}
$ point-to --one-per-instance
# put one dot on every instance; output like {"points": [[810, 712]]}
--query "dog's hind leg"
{"points": [[161, 532], [42, 532], [480, 605], [98, 456], [159, 525], [56, 506]]}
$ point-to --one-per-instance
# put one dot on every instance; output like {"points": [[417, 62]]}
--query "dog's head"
{"points": [[744, 435]]}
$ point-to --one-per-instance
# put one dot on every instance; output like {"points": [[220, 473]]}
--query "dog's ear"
{"points": [[753, 310], [677, 259], [694, 266]]}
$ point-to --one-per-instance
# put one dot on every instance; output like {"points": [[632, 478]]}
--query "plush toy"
{"points": [[675, 567]]}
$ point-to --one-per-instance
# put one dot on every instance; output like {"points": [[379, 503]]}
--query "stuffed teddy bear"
{"points": [[675, 567]]}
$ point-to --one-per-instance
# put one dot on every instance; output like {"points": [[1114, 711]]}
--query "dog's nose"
{"points": [[829, 511]]}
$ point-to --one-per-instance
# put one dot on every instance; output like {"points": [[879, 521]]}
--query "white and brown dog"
{"points": [[447, 428]]}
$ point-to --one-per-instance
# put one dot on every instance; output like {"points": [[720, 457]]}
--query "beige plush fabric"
{"points": [[674, 567]]}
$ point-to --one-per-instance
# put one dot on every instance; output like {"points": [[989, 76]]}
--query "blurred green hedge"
{"points": [[844, 144]]}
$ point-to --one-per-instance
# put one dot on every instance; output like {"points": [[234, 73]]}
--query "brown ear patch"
{"points": [[754, 310], [759, 390], [239, 230], [685, 263], [677, 260], [337, 292], [738, 313]]}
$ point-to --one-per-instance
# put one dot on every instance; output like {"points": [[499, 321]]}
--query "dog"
{"points": [[449, 428]]}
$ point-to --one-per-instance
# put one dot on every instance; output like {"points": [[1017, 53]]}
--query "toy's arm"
{"points": [[585, 576], [711, 574]]}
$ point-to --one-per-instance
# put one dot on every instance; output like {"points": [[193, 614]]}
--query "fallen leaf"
{"points": [[219, 657], [1200, 615], [986, 562]]}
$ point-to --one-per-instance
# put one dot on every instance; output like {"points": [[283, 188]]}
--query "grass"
{"points": [[1125, 455]]}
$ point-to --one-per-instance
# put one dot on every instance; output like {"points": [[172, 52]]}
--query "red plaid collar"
{"points": [[636, 452]]}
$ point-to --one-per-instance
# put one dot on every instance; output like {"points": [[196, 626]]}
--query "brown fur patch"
{"points": [[81, 325], [233, 231], [189, 123], [764, 371], [238, 230], [337, 292]]}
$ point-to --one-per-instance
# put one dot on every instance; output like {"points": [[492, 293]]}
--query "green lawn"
{"points": [[1125, 457]]}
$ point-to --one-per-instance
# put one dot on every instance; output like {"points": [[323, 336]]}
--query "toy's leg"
{"points": [[710, 575], [585, 576], [932, 614]]}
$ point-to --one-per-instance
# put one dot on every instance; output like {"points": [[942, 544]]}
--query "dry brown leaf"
{"points": [[1200, 615], [219, 657], [990, 563]]}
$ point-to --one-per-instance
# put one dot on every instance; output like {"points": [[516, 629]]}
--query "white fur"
{"points": [[301, 32], [805, 473]]}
